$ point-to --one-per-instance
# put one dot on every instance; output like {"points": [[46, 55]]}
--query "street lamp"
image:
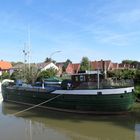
{"points": [[53, 54]]}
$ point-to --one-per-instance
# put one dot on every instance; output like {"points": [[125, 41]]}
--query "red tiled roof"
{"points": [[124, 66], [76, 67], [99, 64], [73, 68], [4, 65], [115, 65]]}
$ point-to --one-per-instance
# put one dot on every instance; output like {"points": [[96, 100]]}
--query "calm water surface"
{"points": [[42, 124]]}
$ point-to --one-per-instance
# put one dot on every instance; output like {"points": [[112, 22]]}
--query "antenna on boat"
{"points": [[27, 52], [29, 47], [25, 58], [105, 71], [98, 77]]}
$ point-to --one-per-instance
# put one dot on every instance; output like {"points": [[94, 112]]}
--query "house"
{"points": [[124, 66], [60, 67], [45, 66], [5, 66], [114, 66], [72, 68], [101, 65], [18, 66]]}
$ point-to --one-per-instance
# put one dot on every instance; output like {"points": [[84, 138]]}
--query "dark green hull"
{"points": [[109, 103]]}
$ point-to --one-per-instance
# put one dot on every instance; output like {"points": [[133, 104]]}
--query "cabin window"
{"points": [[91, 78], [88, 78], [82, 78], [76, 78]]}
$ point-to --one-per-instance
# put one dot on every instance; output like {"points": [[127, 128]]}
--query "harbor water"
{"points": [[43, 124]]}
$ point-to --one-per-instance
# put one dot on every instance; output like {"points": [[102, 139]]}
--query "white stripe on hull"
{"points": [[95, 92]]}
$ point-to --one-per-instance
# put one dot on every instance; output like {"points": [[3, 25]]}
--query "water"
{"points": [[42, 124]]}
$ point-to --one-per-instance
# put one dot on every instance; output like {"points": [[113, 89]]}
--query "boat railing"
{"points": [[106, 84], [116, 83]]}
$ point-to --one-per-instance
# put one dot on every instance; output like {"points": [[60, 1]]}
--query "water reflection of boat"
{"points": [[47, 124], [85, 93]]}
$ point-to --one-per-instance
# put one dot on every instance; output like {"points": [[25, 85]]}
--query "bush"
{"points": [[47, 74], [5, 75]]}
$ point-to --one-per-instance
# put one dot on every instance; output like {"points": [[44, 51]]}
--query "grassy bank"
{"points": [[137, 89]]}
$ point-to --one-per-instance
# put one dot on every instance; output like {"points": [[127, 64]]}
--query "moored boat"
{"points": [[84, 93]]}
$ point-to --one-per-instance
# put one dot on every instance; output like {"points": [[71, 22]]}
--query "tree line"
{"points": [[32, 74]]}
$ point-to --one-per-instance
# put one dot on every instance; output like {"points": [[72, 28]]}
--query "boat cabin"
{"points": [[86, 80]]}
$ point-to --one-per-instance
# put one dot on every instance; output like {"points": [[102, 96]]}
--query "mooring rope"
{"points": [[37, 105]]}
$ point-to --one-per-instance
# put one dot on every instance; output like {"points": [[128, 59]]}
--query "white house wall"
{"points": [[51, 65]]}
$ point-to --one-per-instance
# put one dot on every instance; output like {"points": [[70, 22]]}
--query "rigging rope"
{"points": [[37, 105]]}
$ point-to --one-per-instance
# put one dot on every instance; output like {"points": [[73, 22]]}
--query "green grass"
{"points": [[137, 89]]}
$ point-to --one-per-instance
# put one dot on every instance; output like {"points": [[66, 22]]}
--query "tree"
{"points": [[68, 61], [122, 74], [85, 64], [133, 63], [16, 63], [137, 76], [127, 62], [17, 74], [128, 74], [47, 60], [29, 75], [5, 75], [47, 74]]}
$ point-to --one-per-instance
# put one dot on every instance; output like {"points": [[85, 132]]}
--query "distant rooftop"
{"points": [[4, 65]]}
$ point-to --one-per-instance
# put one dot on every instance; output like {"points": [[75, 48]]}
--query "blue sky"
{"points": [[98, 29]]}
